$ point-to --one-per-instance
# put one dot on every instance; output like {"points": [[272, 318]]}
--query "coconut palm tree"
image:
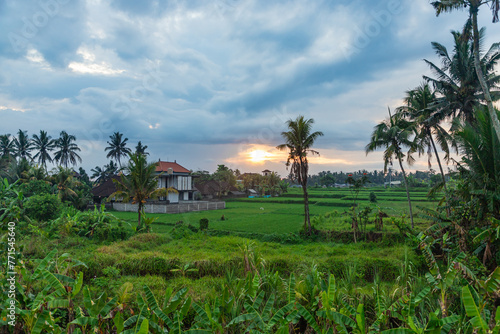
{"points": [[139, 183], [7, 147], [481, 163], [117, 147], [141, 149], [23, 145], [299, 140], [99, 175], [65, 183], [393, 134], [457, 85], [473, 7], [67, 150], [111, 168], [420, 109], [44, 144]]}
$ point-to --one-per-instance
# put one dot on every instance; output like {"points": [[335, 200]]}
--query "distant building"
{"points": [[102, 191], [266, 172], [171, 174]]}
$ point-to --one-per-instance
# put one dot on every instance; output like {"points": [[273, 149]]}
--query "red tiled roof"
{"points": [[163, 166]]}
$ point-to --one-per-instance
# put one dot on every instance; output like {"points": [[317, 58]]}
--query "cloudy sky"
{"points": [[211, 82]]}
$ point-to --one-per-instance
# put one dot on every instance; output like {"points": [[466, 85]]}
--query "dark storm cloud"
{"points": [[212, 74]]}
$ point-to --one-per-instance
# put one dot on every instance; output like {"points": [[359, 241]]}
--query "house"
{"points": [[266, 172], [171, 174], [102, 191]]}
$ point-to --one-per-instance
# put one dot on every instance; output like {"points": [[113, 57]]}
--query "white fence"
{"points": [[171, 208]]}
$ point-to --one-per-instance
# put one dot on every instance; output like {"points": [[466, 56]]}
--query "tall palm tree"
{"points": [[139, 182], [117, 147], [473, 6], [67, 150], [23, 145], [457, 84], [299, 140], [420, 109], [44, 144], [7, 147], [393, 134]]}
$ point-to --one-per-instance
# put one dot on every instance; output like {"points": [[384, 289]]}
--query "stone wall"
{"points": [[171, 208]]}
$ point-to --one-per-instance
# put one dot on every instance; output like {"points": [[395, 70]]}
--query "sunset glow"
{"points": [[258, 156]]}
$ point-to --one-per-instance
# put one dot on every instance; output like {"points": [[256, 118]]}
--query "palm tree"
{"points": [[43, 144], [139, 182], [473, 5], [420, 109], [298, 142], [457, 83], [111, 168], [140, 149], [392, 134], [117, 147], [23, 145], [7, 147], [64, 181], [99, 175], [67, 150], [481, 156]]}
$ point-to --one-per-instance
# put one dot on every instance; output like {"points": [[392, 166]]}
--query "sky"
{"points": [[213, 82]]}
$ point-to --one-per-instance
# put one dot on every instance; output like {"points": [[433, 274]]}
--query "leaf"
{"points": [[398, 331], [144, 327], [309, 318], [280, 314], [242, 318], [360, 318], [472, 310], [40, 322], [78, 284], [43, 264], [118, 321]]}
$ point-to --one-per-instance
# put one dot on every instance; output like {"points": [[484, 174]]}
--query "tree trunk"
{"points": [[442, 173], [307, 220], [407, 191], [480, 74], [139, 216]]}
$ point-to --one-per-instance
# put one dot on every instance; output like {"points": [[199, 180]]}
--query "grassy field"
{"points": [[160, 259], [285, 214]]}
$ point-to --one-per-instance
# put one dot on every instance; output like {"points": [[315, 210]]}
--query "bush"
{"points": [[43, 207], [203, 224], [373, 197], [35, 187]]}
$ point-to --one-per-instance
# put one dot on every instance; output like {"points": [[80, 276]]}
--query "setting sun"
{"points": [[259, 156]]}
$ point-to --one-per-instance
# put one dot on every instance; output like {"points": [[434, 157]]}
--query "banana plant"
{"points": [[260, 317], [164, 318], [97, 314], [440, 280], [475, 303]]}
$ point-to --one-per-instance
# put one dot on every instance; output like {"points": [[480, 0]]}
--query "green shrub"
{"points": [[203, 224], [373, 197], [35, 187], [43, 207]]}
